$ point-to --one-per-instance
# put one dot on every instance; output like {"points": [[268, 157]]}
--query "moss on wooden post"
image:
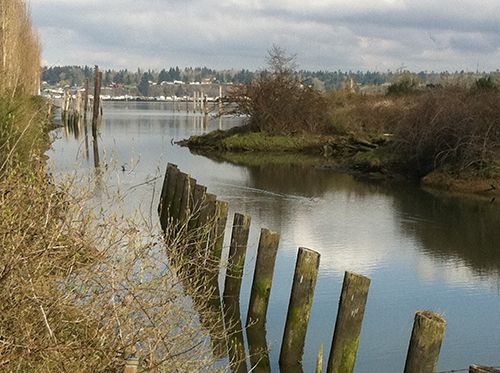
{"points": [[299, 308], [425, 343], [236, 261], [262, 278], [348, 325], [319, 360]]}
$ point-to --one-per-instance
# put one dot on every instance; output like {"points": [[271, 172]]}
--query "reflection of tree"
{"points": [[451, 226]]}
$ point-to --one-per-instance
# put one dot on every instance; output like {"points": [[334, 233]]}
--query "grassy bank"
{"points": [[453, 132]]}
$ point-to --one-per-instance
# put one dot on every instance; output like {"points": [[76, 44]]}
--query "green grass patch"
{"points": [[263, 142]]}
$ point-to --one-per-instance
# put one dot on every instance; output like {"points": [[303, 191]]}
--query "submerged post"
{"points": [[425, 343], [299, 308], [348, 325], [262, 278]]}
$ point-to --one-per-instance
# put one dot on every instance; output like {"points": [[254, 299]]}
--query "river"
{"points": [[421, 250]]}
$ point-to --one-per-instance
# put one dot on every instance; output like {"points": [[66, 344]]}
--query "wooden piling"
{"points": [[348, 325], [262, 278], [181, 179], [221, 212], [198, 201], [299, 308], [319, 360], [187, 201], [86, 100], [167, 192], [131, 365], [95, 115], [425, 343], [97, 95], [236, 260], [482, 369]]}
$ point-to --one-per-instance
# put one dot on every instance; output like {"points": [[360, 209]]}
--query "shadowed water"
{"points": [[421, 250]]}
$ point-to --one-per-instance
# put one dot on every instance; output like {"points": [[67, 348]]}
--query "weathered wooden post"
{"points": [[177, 200], [482, 369], [221, 213], [167, 194], [262, 278], [187, 201], [97, 95], [299, 308], [425, 343], [198, 202], [131, 365], [95, 115], [348, 325], [232, 286], [86, 100], [236, 260], [319, 360]]}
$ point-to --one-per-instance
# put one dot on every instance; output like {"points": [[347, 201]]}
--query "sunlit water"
{"points": [[420, 250]]}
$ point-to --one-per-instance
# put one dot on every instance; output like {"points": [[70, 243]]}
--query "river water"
{"points": [[421, 250]]}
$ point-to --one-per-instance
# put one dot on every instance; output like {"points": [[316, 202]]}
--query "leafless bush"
{"points": [[450, 128], [278, 103]]}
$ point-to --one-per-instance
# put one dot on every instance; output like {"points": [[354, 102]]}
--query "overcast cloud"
{"points": [[325, 34]]}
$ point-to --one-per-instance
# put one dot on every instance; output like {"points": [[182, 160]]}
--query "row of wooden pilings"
{"points": [[74, 110], [186, 206]]}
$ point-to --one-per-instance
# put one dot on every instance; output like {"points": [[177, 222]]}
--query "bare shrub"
{"points": [[278, 103], [450, 128]]}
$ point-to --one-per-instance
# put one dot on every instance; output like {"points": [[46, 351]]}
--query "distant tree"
{"points": [[143, 85], [278, 103]]}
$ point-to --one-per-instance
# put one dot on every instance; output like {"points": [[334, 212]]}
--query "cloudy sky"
{"points": [[325, 34]]}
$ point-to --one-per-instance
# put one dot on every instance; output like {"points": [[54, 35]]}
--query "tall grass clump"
{"points": [[19, 51], [453, 129]]}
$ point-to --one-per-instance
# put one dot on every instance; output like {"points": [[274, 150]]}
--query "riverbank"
{"points": [[372, 157]]}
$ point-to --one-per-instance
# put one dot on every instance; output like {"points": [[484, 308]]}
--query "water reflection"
{"points": [[421, 250]]}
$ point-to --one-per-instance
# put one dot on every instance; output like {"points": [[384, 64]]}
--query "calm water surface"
{"points": [[421, 251]]}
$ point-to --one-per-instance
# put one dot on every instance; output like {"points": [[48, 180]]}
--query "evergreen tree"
{"points": [[143, 85]]}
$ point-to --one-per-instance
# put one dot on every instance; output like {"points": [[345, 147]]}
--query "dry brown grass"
{"points": [[19, 50], [83, 289], [452, 129], [81, 286]]}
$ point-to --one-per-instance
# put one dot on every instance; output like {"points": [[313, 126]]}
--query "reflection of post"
{"points": [[299, 309], [258, 350], [348, 325], [235, 341], [221, 105]]}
